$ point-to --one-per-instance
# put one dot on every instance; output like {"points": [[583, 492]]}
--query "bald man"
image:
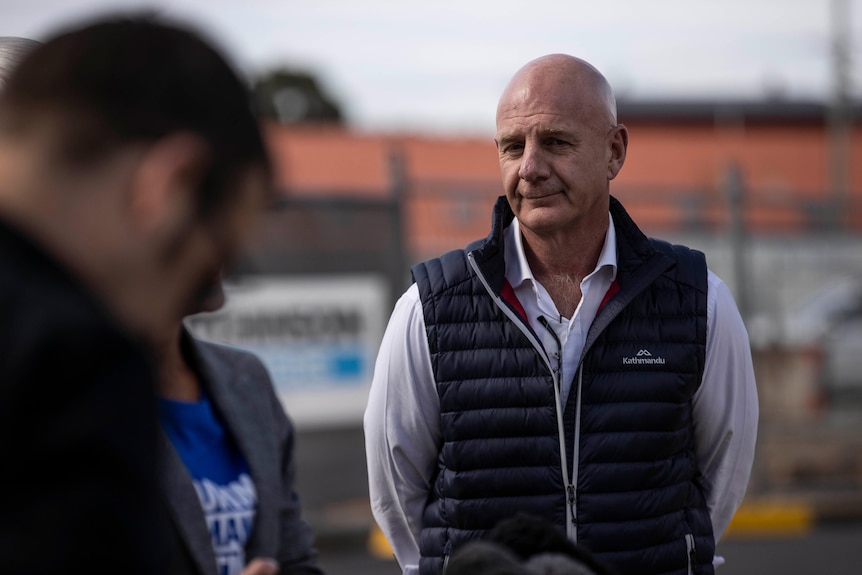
{"points": [[12, 50], [566, 366]]}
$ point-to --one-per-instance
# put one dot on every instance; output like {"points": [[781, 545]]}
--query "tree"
{"points": [[294, 96]]}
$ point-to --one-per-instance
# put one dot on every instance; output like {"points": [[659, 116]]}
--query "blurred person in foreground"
{"points": [[130, 166], [566, 366], [533, 539], [227, 467], [492, 558], [485, 558]]}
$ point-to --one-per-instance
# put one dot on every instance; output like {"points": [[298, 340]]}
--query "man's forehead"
{"points": [[547, 119], [544, 125], [541, 103]]}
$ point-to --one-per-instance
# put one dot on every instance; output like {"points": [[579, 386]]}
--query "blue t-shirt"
{"points": [[220, 475]]}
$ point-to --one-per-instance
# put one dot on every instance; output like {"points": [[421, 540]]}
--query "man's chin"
{"points": [[541, 220], [210, 297]]}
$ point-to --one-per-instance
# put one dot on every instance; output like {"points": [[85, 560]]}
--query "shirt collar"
{"points": [[518, 270]]}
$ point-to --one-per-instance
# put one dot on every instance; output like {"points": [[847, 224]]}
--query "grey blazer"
{"points": [[241, 391]]}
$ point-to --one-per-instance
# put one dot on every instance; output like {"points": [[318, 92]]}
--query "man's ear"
{"points": [[165, 184], [618, 139]]}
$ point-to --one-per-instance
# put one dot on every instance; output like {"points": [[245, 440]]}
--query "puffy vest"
{"points": [[618, 470]]}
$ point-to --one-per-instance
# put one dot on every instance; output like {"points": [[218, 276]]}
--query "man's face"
{"points": [[210, 298], [223, 234], [128, 223], [554, 152]]}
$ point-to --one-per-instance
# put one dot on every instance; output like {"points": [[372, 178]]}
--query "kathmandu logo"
{"points": [[643, 357]]}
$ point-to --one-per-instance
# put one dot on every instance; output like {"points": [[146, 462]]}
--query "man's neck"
{"points": [[574, 255], [177, 381], [561, 262]]}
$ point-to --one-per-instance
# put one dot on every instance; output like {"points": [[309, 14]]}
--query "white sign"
{"points": [[318, 336]]}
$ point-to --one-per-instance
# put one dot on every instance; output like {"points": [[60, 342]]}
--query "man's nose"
{"points": [[534, 165]]}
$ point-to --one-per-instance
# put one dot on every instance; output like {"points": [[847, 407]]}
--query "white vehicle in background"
{"points": [[831, 322]]}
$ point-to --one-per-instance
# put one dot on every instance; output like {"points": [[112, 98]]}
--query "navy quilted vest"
{"points": [[632, 493]]}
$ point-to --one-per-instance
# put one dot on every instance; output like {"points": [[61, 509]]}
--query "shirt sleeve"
{"points": [[402, 430], [725, 408]]}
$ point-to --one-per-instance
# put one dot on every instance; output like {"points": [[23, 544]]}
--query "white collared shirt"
{"points": [[571, 333], [402, 419]]}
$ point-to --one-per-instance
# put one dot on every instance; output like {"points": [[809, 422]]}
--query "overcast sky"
{"points": [[440, 66]]}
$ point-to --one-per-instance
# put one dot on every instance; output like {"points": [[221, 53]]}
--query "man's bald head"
{"points": [[12, 51], [559, 146], [570, 77]]}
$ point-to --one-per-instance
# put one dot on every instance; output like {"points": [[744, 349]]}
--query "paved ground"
{"points": [[355, 562], [828, 550]]}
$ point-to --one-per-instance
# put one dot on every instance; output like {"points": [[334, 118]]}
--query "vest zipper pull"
{"points": [[570, 491]]}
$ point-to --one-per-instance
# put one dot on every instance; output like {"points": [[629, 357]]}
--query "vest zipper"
{"points": [[571, 517], [570, 488], [576, 448], [691, 548]]}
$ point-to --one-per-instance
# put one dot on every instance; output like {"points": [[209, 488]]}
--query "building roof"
{"points": [[776, 111], [680, 156]]}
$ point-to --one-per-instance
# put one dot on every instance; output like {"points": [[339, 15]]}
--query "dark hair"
{"points": [[527, 536], [484, 558], [135, 80]]}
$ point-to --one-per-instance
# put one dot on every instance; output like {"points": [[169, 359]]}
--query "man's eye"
{"points": [[557, 142], [513, 148]]}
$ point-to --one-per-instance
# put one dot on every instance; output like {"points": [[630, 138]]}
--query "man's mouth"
{"points": [[533, 196]]}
